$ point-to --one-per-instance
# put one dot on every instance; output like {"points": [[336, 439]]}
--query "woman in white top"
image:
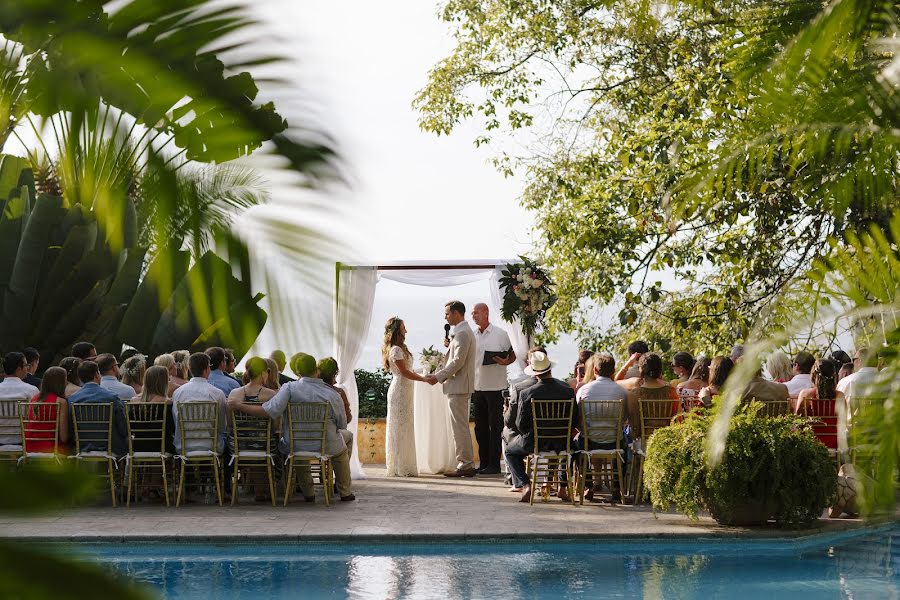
{"points": [[400, 438]]}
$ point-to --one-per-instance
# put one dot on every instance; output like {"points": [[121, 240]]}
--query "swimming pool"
{"points": [[860, 565]]}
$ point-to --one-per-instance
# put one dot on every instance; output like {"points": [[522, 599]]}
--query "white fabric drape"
{"points": [[437, 277], [435, 452], [353, 314], [514, 329]]}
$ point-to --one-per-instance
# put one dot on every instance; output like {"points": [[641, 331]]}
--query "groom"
{"points": [[458, 377]]}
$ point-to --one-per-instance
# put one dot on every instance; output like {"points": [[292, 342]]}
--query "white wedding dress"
{"points": [[400, 438]]}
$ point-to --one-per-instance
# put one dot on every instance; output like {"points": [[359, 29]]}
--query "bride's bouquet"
{"points": [[432, 360]]}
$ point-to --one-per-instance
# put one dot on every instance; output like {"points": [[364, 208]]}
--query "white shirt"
{"points": [[800, 382], [13, 388], [864, 375], [122, 390], [198, 389], [602, 388], [490, 378]]}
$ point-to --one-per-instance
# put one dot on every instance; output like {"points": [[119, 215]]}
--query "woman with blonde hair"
{"points": [[590, 371], [167, 361], [272, 381], [780, 367], [400, 437], [133, 371]]}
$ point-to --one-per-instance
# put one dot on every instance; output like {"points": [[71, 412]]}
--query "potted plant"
{"points": [[772, 468]]}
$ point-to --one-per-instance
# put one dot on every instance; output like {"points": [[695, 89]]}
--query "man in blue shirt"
{"points": [[92, 393], [217, 376], [109, 378]]}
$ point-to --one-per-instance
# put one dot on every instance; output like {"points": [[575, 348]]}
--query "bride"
{"points": [[400, 439]]}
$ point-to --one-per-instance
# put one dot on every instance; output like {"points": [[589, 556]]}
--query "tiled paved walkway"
{"points": [[424, 508]]}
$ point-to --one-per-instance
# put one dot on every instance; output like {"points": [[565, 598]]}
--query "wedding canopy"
{"points": [[355, 296]]}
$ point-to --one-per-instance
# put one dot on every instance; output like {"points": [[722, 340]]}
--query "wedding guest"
{"points": [[155, 389], [845, 371], [648, 385], [33, 357], [630, 369], [779, 367], [699, 379], [182, 366], [840, 358], [682, 365], [580, 367], [824, 380], [255, 390], [217, 376], [857, 385], [230, 364], [719, 370], [199, 389], [803, 364], [273, 375], [737, 353], [84, 351], [328, 370], [109, 377], [520, 438], [167, 361], [601, 388], [133, 370], [490, 381], [763, 390], [13, 386], [590, 370], [71, 364], [281, 360], [309, 388], [40, 439], [92, 392]]}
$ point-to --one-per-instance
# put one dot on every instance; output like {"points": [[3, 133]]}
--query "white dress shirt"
{"points": [[490, 378], [198, 389], [13, 388], [800, 382]]}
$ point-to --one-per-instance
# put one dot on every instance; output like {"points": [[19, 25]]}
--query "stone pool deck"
{"points": [[427, 508]]}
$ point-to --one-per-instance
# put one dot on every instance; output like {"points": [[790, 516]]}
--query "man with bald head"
{"points": [[493, 353]]}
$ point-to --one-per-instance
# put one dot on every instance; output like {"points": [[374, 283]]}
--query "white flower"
{"points": [[536, 283]]}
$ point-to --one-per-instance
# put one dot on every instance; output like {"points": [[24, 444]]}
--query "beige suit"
{"points": [[458, 379]]}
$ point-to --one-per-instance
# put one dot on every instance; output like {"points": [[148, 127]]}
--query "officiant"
{"points": [[493, 353]]}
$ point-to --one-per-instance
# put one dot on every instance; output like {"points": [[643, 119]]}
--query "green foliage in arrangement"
{"points": [[373, 387], [775, 464]]}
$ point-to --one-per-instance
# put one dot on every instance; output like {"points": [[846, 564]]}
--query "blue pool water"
{"points": [[853, 566]]}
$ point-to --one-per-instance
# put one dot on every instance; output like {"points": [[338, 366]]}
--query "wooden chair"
{"points": [[825, 426], [655, 414], [552, 423], [147, 436], [198, 425], [11, 450], [307, 428], [601, 420], [39, 422], [252, 438], [93, 424], [776, 408]]}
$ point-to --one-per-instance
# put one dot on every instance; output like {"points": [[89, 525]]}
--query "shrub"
{"points": [[373, 387], [774, 465]]}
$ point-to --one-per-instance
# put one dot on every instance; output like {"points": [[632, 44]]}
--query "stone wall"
{"points": [[371, 440]]}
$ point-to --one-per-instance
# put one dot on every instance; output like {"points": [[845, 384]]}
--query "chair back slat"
{"points": [[307, 425], [39, 424], [198, 423], [251, 432], [602, 420], [552, 421], [10, 426], [656, 414], [776, 408], [825, 426], [93, 426], [146, 426]]}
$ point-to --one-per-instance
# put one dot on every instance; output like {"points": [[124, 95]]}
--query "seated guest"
{"points": [[580, 368], [273, 375], [109, 377], [846, 370], [217, 376], [53, 387], [328, 370], [698, 379], [719, 370], [167, 361], [281, 360], [13, 386], [84, 351], [648, 385], [519, 435], [199, 389], [309, 388], [859, 384], [824, 379], [133, 370], [182, 368], [779, 367], [630, 369], [803, 364], [840, 358], [682, 366], [511, 406], [230, 364], [255, 390], [92, 392], [602, 388], [763, 390], [737, 353], [155, 389], [590, 372], [70, 364], [34, 361]]}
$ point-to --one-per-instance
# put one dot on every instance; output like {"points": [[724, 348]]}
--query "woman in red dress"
{"points": [[53, 392]]}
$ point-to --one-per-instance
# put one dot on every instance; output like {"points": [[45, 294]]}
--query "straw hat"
{"points": [[539, 363]]}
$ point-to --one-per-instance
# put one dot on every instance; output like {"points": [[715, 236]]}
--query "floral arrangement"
{"points": [[431, 359], [527, 295]]}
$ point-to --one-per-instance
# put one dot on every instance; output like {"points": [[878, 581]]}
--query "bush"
{"points": [[373, 387], [774, 466]]}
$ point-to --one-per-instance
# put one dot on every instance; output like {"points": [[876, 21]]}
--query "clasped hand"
{"points": [[430, 380]]}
